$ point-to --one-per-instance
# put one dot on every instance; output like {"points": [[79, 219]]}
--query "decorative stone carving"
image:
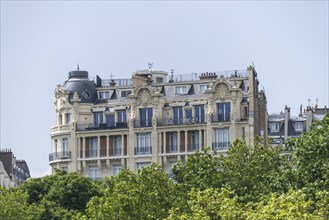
{"points": [[222, 92], [144, 97]]}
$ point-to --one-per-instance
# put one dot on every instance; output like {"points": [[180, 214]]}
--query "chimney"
{"points": [[286, 122]]}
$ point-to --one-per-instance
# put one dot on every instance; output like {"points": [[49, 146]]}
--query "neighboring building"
{"points": [[283, 126], [12, 172], [105, 125]]}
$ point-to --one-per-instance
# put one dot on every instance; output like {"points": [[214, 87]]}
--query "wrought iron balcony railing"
{"points": [[60, 155]]}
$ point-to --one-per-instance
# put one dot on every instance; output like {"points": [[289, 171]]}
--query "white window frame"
{"points": [[181, 90], [203, 87], [67, 118], [93, 172], [221, 135], [116, 169], [274, 126], [141, 165], [125, 91], [93, 147], [104, 95], [299, 126], [143, 140], [117, 141]]}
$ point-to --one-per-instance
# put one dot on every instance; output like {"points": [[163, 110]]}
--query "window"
{"points": [[275, 127], [181, 90], [55, 145], [65, 143], [122, 117], [199, 113], [299, 126], [142, 164], [60, 119], [243, 131], [117, 145], [104, 95], [116, 169], [143, 143], [159, 80], [64, 168], [93, 172], [146, 115], [125, 93], [110, 120], [93, 147], [224, 111], [67, 118], [98, 119], [195, 140], [178, 115], [221, 139], [173, 142], [203, 88]]}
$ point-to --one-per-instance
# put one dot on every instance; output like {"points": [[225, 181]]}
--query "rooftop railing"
{"points": [[179, 77]]}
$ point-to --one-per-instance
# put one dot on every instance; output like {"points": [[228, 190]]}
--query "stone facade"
{"points": [[105, 125]]}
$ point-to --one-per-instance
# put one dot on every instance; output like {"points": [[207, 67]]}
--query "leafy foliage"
{"points": [[249, 182]]}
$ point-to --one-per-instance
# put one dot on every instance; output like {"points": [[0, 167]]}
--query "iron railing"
{"points": [[143, 150], [142, 123], [60, 155], [92, 126], [220, 145], [180, 121]]}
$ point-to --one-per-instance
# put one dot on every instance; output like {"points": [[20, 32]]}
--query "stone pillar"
{"points": [[200, 139], [178, 141]]}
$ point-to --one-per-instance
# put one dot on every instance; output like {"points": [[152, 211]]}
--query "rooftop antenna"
{"points": [[171, 76], [309, 102], [111, 76], [78, 67], [150, 65]]}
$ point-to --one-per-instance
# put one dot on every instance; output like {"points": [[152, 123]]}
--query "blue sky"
{"points": [[42, 41]]}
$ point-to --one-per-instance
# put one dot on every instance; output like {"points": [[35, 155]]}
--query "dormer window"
{"points": [[299, 126], [181, 90], [104, 95], [274, 127], [159, 80], [203, 88], [125, 93]]}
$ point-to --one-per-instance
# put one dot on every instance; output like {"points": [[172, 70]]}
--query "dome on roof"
{"points": [[78, 81]]}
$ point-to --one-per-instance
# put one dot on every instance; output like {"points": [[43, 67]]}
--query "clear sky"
{"points": [[42, 41]]}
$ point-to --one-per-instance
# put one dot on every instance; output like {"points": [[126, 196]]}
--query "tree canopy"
{"points": [[248, 182]]}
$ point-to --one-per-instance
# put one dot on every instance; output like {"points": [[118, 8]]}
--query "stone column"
{"points": [[122, 143]]}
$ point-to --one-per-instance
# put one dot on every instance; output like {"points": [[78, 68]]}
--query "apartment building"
{"points": [[283, 126], [13, 172], [103, 125]]}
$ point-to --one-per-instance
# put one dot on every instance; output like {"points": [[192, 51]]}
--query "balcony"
{"points": [[172, 149], [91, 153], [180, 121], [220, 145], [142, 123], [60, 156], [220, 118], [91, 126], [193, 147], [143, 150], [60, 128]]}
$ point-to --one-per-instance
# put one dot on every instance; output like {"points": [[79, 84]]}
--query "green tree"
{"points": [[147, 195], [58, 196], [202, 170], [290, 205], [13, 205], [209, 204], [310, 156], [254, 171]]}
